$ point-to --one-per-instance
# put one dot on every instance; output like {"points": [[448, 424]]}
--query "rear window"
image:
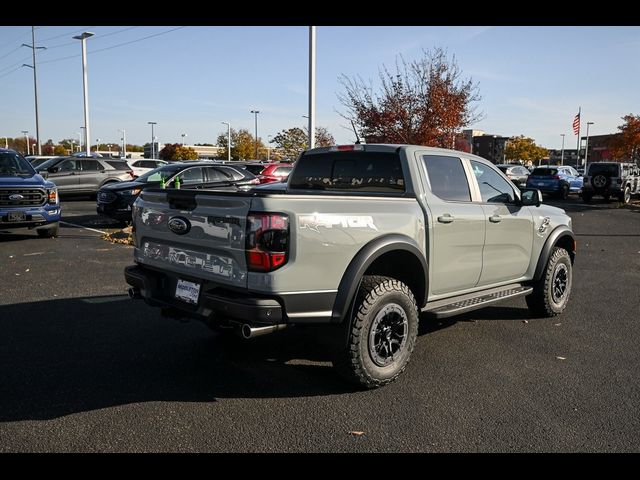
{"points": [[603, 168], [255, 169], [379, 172], [543, 172], [119, 165]]}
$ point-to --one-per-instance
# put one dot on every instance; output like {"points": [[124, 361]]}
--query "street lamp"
{"points": [[83, 39], [268, 148], [562, 151], [183, 135], [72, 147], [586, 148], [26, 139], [97, 144], [124, 143], [153, 148], [228, 140], [79, 140], [109, 147], [256, 112]]}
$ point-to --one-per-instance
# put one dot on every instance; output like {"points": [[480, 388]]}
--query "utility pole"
{"points": [[256, 112], [228, 140], [83, 40], [312, 87], [35, 82]]}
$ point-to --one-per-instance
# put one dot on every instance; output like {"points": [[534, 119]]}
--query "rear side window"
{"points": [[90, 165], [282, 171], [375, 172], [255, 169], [447, 178], [119, 165]]}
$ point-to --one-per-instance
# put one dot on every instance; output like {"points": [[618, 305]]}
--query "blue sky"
{"points": [[532, 79]]}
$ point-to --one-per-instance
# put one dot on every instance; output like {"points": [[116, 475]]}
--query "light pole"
{"points": [[72, 147], [228, 140], [97, 144], [26, 139], [183, 135], [153, 147], [562, 151], [124, 143], [83, 39], [586, 148], [79, 140], [35, 83], [268, 148], [6, 143], [109, 147], [256, 112], [312, 87]]}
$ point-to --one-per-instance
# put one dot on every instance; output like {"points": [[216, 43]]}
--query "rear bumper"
{"points": [[157, 289]]}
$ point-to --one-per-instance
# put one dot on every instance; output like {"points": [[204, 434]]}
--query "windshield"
{"points": [[13, 164], [49, 163], [156, 175]]}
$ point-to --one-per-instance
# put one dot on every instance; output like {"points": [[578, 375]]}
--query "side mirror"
{"points": [[531, 197]]}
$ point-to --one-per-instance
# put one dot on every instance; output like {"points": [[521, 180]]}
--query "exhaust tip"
{"points": [[246, 331], [134, 293]]}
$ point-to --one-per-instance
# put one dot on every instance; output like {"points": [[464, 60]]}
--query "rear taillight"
{"points": [[267, 241]]}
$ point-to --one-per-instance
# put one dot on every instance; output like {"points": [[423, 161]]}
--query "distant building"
{"points": [[490, 147], [156, 148], [470, 134], [570, 157], [599, 149]]}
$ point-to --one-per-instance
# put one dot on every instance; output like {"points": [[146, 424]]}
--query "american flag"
{"points": [[576, 124]]}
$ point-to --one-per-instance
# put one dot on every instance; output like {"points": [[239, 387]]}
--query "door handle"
{"points": [[495, 219], [446, 218]]}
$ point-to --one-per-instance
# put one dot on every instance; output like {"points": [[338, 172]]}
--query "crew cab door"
{"points": [[508, 227], [456, 225]]}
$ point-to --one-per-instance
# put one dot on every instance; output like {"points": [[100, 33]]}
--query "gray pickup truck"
{"points": [[361, 239]]}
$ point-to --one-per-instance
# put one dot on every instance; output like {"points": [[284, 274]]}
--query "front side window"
{"points": [[493, 187], [68, 166], [447, 178], [192, 176]]}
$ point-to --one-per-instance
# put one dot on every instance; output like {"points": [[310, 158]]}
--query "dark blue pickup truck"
{"points": [[26, 199]]}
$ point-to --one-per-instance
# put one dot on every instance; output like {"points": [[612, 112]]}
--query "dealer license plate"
{"points": [[16, 216], [187, 291]]}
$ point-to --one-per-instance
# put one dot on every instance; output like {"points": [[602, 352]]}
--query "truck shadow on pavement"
{"points": [[68, 356], [59, 357]]}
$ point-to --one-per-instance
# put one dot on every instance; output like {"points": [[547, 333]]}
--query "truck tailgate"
{"points": [[193, 234]]}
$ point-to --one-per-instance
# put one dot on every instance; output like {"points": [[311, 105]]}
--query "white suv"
{"points": [[142, 166]]}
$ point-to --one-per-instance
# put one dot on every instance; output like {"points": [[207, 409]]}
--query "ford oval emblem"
{"points": [[179, 225], [16, 197]]}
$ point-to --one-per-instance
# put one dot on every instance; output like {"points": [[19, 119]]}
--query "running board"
{"points": [[465, 303]]}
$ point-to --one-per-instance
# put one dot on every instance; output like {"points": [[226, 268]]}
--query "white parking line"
{"points": [[85, 228]]}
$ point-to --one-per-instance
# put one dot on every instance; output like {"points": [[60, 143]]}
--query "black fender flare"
{"points": [[552, 240], [360, 263]]}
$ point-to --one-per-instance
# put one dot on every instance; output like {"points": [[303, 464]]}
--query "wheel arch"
{"points": [[394, 255], [563, 237]]}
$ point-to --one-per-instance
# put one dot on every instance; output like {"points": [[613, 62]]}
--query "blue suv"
{"points": [[556, 179], [26, 199]]}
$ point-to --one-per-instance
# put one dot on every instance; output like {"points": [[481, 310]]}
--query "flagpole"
{"points": [[578, 149]]}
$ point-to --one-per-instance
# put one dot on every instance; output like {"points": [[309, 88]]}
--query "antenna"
{"points": [[356, 132]]}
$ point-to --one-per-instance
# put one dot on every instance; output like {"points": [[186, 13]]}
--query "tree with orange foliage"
{"points": [[424, 102], [626, 144]]}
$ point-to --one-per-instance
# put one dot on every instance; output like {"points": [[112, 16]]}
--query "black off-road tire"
{"points": [[545, 301], [49, 232], [380, 301], [563, 194]]}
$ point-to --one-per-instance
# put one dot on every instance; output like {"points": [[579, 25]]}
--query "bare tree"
{"points": [[424, 102]]}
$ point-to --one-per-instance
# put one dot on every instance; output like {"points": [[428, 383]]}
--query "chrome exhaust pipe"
{"points": [[250, 332], [134, 293]]}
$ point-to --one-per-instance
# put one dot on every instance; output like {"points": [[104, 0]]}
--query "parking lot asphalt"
{"points": [[83, 368]]}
